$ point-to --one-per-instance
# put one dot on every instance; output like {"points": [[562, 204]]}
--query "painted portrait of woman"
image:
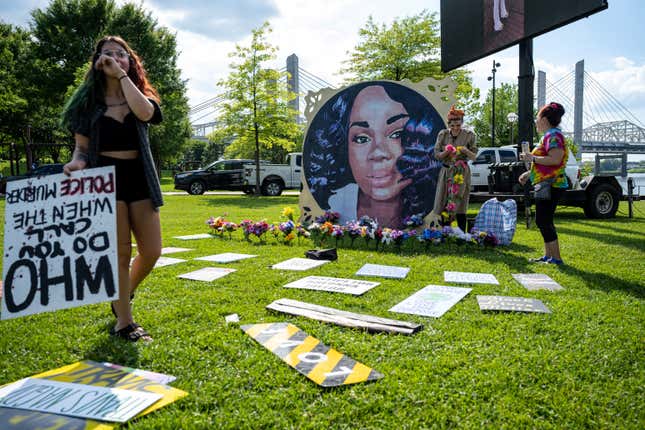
{"points": [[369, 151]]}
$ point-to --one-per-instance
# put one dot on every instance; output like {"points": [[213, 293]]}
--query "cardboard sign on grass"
{"points": [[194, 236], [431, 301], [159, 378], [511, 304], [537, 281], [318, 362], [470, 278], [207, 274], [89, 373], [76, 400], [299, 264], [172, 250], [334, 285], [60, 247], [382, 271], [226, 257], [167, 261]]}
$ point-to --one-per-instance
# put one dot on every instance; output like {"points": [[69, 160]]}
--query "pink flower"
{"points": [[450, 207], [454, 189], [450, 148]]}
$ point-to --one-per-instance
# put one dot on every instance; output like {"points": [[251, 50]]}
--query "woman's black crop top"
{"points": [[117, 136]]}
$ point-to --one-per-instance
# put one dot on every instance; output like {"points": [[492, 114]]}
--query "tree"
{"points": [[256, 117], [409, 49], [505, 102]]}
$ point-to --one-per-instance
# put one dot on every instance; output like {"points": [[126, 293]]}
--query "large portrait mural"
{"points": [[368, 150]]}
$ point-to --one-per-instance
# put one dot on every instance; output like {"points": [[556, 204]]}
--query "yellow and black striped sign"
{"points": [[318, 362]]}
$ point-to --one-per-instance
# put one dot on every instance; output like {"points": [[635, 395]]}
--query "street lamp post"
{"points": [[512, 118], [492, 78]]}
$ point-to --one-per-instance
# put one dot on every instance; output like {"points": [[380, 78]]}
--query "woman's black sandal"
{"points": [[132, 332]]}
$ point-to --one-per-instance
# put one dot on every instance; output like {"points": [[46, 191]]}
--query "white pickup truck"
{"points": [[479, 168], [274, 177]]}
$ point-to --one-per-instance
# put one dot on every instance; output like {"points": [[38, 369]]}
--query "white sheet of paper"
{"points": [[470, 278], [207, 274], [382, 271], [167, 261], [431, 301], [334, 285], [537, 281], [76, 400], [226, 257], [511, 304], [299, 264], [194, 236], [171, 250]]}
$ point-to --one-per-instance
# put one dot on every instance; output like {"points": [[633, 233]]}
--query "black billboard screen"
{"points": [[472, 29]]}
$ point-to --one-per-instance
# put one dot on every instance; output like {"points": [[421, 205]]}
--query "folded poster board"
{"points": [[226, 257], [333, 285], [343, 318], [310, 357], [207, 274], [76, 400], [537, 281], [172, 250], [299, 264], [194, 236], [382, 271], [470, 278], [167, 261], [512, 304], [59, 242], [431, 301], [89, 373], [159, 378]]}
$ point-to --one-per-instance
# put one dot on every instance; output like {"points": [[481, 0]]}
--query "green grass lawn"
{"points": [[582, 366]]}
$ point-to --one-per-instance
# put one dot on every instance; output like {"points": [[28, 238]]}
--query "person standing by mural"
{"points": [[454, 147], [109, 115], [368, 152], [548, 161]]}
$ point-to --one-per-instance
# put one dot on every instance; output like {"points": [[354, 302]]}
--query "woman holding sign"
{"points": [[109, 115]]}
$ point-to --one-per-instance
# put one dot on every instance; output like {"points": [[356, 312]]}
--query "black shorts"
{"points": [[131, 185]]}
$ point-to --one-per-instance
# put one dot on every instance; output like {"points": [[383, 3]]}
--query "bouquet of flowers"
{"points": [[254, 228], [288, 213], [413, 220], [328, 216]]}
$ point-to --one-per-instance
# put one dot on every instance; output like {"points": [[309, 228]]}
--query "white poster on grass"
{"points": [[334, 285], [431, 301], [383, 271], [207, 274], [470, 278], [60, 247], [226, 257], [299, 264], [76, 400]]}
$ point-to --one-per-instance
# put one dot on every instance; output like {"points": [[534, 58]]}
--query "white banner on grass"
{"points": [[60, 247], [299, 264], [334, 285], [76, 400], [207, 274], [172, 250], [470, 278], [194, 236], [431, 301], [537, 281], [226, 257], [382, 271], [167, 261]]}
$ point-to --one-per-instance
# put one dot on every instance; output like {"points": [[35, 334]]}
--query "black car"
{"points": [[220, 175], [44, 170]]}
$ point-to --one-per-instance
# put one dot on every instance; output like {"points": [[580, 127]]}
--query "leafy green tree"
{"points": [[256, 117], [409, 49], [14, 44], [505, 103]]}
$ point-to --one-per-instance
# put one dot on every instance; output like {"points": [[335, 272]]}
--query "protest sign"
{"points": [[431, 301], [60, 248], [226, 257], [299, 264], [194, 236], [512, 304], [382, 271], [207, 274], [309, 356], [172, 250], [537, 281], [470, 278], [334, 285]]}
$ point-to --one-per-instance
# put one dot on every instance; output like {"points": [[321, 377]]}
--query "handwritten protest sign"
{"points": [[334, 285], [59, 242], [431, 301], [383, 271]]}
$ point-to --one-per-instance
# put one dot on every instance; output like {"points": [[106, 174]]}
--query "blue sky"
{"points": [[321, 33]]}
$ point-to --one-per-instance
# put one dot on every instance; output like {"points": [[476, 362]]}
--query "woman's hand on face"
{"points": [[109, 66], [524, 177], [74, 165]]}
